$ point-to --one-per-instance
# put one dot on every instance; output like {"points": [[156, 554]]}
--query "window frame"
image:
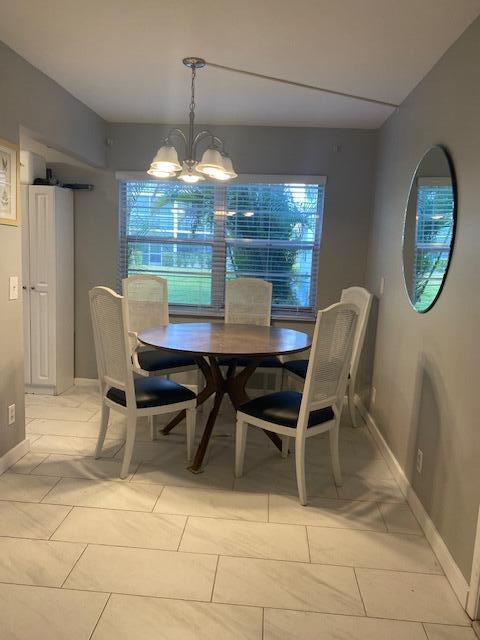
{"points": [[219, 243]]}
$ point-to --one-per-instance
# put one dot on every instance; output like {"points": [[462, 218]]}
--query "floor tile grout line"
{"points": [[359, 591], [86, 506], [308, 546], [60, 524], [99, 617], [47, 456], [158, 498], [236, 604], [224, 555], [74, 565], [183, 532], [214, 578], [51, 488]]}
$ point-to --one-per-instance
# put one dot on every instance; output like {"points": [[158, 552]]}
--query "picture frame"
{"points": [[9, 183]]}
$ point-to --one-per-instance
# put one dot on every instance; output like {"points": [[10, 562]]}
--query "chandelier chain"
{"points": [[192, 100]]}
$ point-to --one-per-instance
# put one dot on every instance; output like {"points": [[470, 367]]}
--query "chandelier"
{"points": [[214, 162]]}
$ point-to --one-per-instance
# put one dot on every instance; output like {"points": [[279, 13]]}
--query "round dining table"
{"points": [[205, 342]]}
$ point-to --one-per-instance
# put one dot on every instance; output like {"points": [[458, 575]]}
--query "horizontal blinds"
{"points": [[197, 236], [433, 235]]}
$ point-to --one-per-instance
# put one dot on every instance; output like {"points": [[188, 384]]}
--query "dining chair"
{"points": [[133, 397], [318, 408], [249, 301], [363, 300], [147, 306]]}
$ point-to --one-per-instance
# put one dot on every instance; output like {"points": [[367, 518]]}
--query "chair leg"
{"points": [[351, 405], [285, 445], [127, 456], [191, 419], [240, 443], [333, 437], [300, 468], [153, 428], [103, 430]]}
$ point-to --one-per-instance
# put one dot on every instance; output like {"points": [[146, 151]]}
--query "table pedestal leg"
{"points": [[215, 375], [232, 385]]}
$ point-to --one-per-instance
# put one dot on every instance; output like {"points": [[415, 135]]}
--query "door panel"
{"points": [[42, 274]]}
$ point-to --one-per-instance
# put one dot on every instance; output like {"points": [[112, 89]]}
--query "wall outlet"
{"points": [[373, 395], [419, 460], [11, 414], [13, 288], [382, 285]]}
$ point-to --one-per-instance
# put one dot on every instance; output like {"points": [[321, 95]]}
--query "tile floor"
{"points": [[173, 556]]}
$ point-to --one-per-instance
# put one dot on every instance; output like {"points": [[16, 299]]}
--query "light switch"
{"points": [[13, 295]]}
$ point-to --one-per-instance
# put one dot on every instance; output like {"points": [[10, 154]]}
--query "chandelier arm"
{"points": [[205, 133], [178, 132]]}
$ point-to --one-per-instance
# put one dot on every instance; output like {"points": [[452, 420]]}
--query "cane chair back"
{"points": [[248, 301]]}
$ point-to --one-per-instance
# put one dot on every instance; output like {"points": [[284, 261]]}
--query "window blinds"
{"points": [[198, 236], [433, 235]]}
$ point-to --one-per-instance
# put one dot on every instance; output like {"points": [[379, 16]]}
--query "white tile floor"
{"points": [[173, 556]]}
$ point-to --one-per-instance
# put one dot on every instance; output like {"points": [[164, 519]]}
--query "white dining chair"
{"points": [[133, 397], [363, 300], [147, 306], [318, 408], [249, 301]]}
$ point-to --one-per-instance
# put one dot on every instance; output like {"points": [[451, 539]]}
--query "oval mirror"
{"points": [[429, 229]]}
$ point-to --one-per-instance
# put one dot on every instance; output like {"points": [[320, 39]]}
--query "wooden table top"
{"points": [[220, 339]]}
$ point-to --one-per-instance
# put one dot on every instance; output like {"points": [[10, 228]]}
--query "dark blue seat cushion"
{"points": [[153, 392], [156, 360], [298, 367], [282, 408], [271, 362]]}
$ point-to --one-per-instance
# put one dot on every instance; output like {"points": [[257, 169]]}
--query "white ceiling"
{"points": [[123, 57]]}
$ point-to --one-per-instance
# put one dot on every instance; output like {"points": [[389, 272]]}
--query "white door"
{"points": [[26, 282], [42, 278]]}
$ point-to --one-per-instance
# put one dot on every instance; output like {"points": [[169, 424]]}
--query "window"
{"points": [[433, 237], [198, 236]]}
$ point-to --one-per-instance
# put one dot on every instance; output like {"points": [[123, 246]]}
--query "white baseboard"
{"points": [[11, 457], [454, 575], [82, 382]]}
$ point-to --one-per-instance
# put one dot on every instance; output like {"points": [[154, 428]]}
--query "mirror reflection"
{"points": [[429, 229]]}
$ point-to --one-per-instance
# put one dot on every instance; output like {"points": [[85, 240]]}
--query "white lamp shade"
{"points": [[211, 163], [166, 160], [160, 174], [228, 167], [190, 176]]}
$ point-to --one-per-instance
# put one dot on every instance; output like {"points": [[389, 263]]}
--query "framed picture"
{"points": [[9, 174]]}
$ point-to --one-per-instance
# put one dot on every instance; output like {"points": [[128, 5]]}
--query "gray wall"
{"points": [[426, 366], [32, 100], [269, 150]]}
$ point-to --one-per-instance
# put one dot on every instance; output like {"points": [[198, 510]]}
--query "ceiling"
{"points": [[123, 57]]}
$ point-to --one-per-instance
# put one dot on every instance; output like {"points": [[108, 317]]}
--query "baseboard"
{"points": [[40, 390], [448, 564], [82, 382], [11, 457]]}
